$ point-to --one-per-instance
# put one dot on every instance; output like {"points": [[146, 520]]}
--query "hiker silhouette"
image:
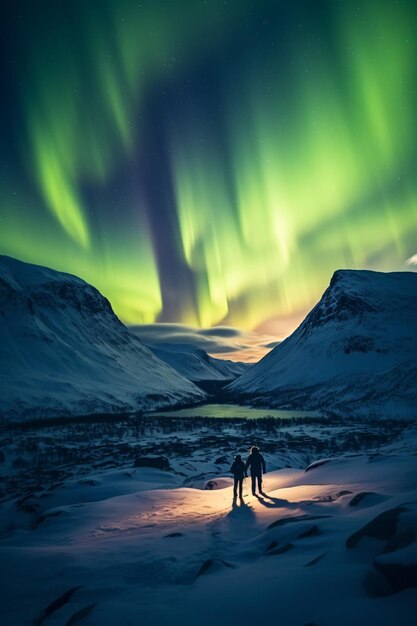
{"points": [[256, 463], [238, 470]]}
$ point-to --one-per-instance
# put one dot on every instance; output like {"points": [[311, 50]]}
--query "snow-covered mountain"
{"points": [[354, 354], [196, 365], [63, 351]]}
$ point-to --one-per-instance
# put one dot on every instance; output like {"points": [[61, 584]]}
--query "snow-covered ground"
{"points": [[87, 537]]}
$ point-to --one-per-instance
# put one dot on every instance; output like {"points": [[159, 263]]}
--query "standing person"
{"points": [[256, 462], [239, 473]]}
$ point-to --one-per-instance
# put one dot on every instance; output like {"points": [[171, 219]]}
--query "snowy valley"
{"points": [[117, 509]]}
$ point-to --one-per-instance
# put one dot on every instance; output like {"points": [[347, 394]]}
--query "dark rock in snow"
{"points": [[299, 518], [313, 531], [55, 605], [317, 464], [42, 518], [26, 506], [359, 343], [332, 497], [221, 460], [213, 564], [394, 569], [205, 567], [314, 561], [383, 527], [210, 485], [402, 539], [400, 576], [359, 497], [281, 549], [157, 462], [376, 585], [79, 615], [88, 482]]}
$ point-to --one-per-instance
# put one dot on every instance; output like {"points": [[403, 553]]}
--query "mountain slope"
{"points": [[63, 351], [355, 352], [195, 364]]}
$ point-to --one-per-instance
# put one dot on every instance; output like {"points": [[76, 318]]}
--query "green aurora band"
{"points": [[311, 167]]}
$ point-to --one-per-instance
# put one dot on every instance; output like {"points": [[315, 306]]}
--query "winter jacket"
{"points": [[238, 469], [256, 462]]}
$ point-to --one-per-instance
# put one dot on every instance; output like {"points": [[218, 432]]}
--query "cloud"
{"points": [[271, 344], [221, 331], [220, 341]]}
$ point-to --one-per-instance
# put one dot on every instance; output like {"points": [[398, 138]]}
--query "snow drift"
{"points": [[333, 546], [64, 352], [355, 352]]}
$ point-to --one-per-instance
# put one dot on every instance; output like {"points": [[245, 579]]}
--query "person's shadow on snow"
{"points": [[240, 520], [240, 509], [273, 503]]}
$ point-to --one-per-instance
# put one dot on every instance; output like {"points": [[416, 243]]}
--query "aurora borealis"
{"points": [[209, 162]]}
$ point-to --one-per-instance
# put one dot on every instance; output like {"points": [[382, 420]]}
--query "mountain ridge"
{"points": [[64, 352], [356, 346], [195, 364]]}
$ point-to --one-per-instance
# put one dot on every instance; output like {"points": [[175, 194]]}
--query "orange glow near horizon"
{"points": [[263, 339]]}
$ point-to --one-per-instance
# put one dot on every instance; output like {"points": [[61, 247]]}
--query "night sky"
{"points": [[209, 163]]}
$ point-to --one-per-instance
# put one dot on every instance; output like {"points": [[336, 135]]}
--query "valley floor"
{"points": [[88, 538]]}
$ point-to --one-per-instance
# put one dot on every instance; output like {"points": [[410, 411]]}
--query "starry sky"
{"points": [[209, 163]]}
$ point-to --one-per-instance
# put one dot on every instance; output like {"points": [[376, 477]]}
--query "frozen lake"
{"points": [[232, 411]]}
